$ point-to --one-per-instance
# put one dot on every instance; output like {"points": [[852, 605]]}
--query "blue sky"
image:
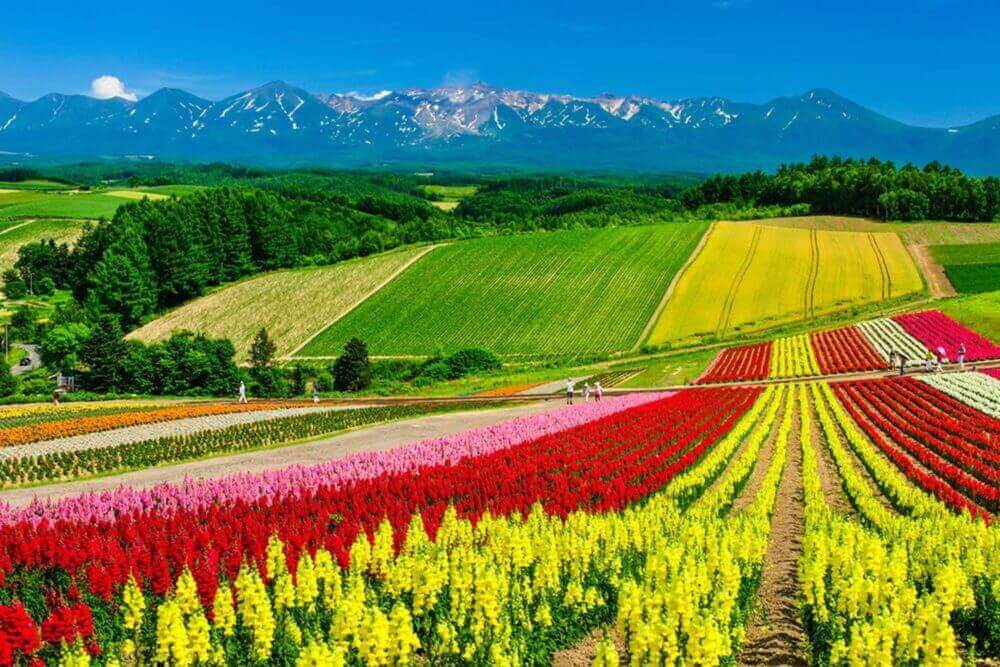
{"points": [[928, 62]]}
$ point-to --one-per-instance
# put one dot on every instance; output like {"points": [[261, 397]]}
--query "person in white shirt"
{"points": [[598, 392], [586, 392], [961, 356], [243, 392], [569, 392]]}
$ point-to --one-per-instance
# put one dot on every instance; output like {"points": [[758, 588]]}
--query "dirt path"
{"points": [[584, 652], [375, 438], [774, 634], [671, 287], [937, 281], [360, 301]]}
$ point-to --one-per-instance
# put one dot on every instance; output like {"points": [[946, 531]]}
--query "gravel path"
{"points": [[165, 429], [374, 438]]}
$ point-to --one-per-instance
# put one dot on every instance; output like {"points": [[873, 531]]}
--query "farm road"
{"points": [[374, 438]]}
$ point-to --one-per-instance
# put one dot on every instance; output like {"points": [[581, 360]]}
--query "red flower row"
{"points": [[602, 465], [845, 350], [747, 362], [854, 396], [909, 417]]}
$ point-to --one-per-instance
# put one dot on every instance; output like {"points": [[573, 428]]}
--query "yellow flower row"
{"points": [[793, 357], [877, 595]]}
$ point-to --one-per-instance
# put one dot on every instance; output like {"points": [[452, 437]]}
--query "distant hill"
{"points": [[479, 125]]}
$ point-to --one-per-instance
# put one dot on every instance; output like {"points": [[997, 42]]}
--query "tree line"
{"points": [[870, 188]]}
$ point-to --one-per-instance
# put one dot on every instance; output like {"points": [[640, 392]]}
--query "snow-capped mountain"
{"points": [[480, 125]]}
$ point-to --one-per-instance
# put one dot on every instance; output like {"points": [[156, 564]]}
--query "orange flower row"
{"points": [[19, 435], [508, 391]]}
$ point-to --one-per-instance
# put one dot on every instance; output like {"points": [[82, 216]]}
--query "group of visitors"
{"points": [[597, 390], [932, 362]]}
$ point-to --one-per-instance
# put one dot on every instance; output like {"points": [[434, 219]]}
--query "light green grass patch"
{"points": [[568, 292]]}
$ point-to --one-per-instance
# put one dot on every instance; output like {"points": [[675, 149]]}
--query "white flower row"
{"points": [[976, 389], [888, 336]]}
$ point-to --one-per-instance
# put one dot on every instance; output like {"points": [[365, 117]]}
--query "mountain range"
{"points": [[478, 126]]}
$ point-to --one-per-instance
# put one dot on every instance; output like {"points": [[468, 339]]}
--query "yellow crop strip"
{"points": [[793, 357], [752, 276]]}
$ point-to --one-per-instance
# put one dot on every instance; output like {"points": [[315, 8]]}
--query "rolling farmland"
{"points": [[751, 277], [292, 304], [37, 203], [561, 292], [17, 233]]}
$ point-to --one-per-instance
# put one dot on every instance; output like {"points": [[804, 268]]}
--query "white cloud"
{"points": [[107, 86]]}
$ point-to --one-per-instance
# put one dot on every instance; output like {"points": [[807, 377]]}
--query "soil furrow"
{"points": [[775, 635]]}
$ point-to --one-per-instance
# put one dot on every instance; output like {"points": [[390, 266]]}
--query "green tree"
{"points": [[13, 285], [60, 347], [123, 282], [353, 370], [24, 325], [8, 382], [105, 354]]}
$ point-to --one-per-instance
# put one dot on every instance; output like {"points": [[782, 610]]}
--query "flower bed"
{"points": [[977, 390], [845, 350], [943, 478], [189, 558], [19, 435], [887, 336], [936, 330], [747, 362]]}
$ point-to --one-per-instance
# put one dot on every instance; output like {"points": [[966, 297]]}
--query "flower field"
{"points": [[647, 517], [864, 347], [978, 390]]}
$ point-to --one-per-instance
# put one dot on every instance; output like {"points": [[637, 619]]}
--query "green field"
{"points": [[971, 268], [979, 312], [39, 204], [292, 305], [545, 293], [35, 184], [16, 233]]}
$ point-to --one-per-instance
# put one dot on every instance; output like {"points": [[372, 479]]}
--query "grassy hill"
{"points": [[752, 276], [291, 304], [559, 292]]}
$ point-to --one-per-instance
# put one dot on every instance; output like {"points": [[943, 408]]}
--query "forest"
{"points": [[869, 188]]}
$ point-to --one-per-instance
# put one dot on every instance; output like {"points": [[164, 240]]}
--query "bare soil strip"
{"points": [[764, 458], [654, 318], [774, 634], [584, 652], [364, 298], [937, 280]]}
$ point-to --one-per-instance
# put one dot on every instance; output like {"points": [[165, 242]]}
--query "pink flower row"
{"points": [[936, 330], [288, 482]]}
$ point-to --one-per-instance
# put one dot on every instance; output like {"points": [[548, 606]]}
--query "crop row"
{"points": [[867, 346], [918, 449], [69, 465], [175, 560], [80, 425], [878, 589]]}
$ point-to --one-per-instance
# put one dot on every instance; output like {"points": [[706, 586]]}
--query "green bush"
{"points": [[471, 360]]}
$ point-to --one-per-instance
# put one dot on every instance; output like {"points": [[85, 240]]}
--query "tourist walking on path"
{"points": [[586, 392], [598, 392], [892, 359], [569, 392], [961, 356], [315, 393], [902, 363], [243, 392], [928, 361]]}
